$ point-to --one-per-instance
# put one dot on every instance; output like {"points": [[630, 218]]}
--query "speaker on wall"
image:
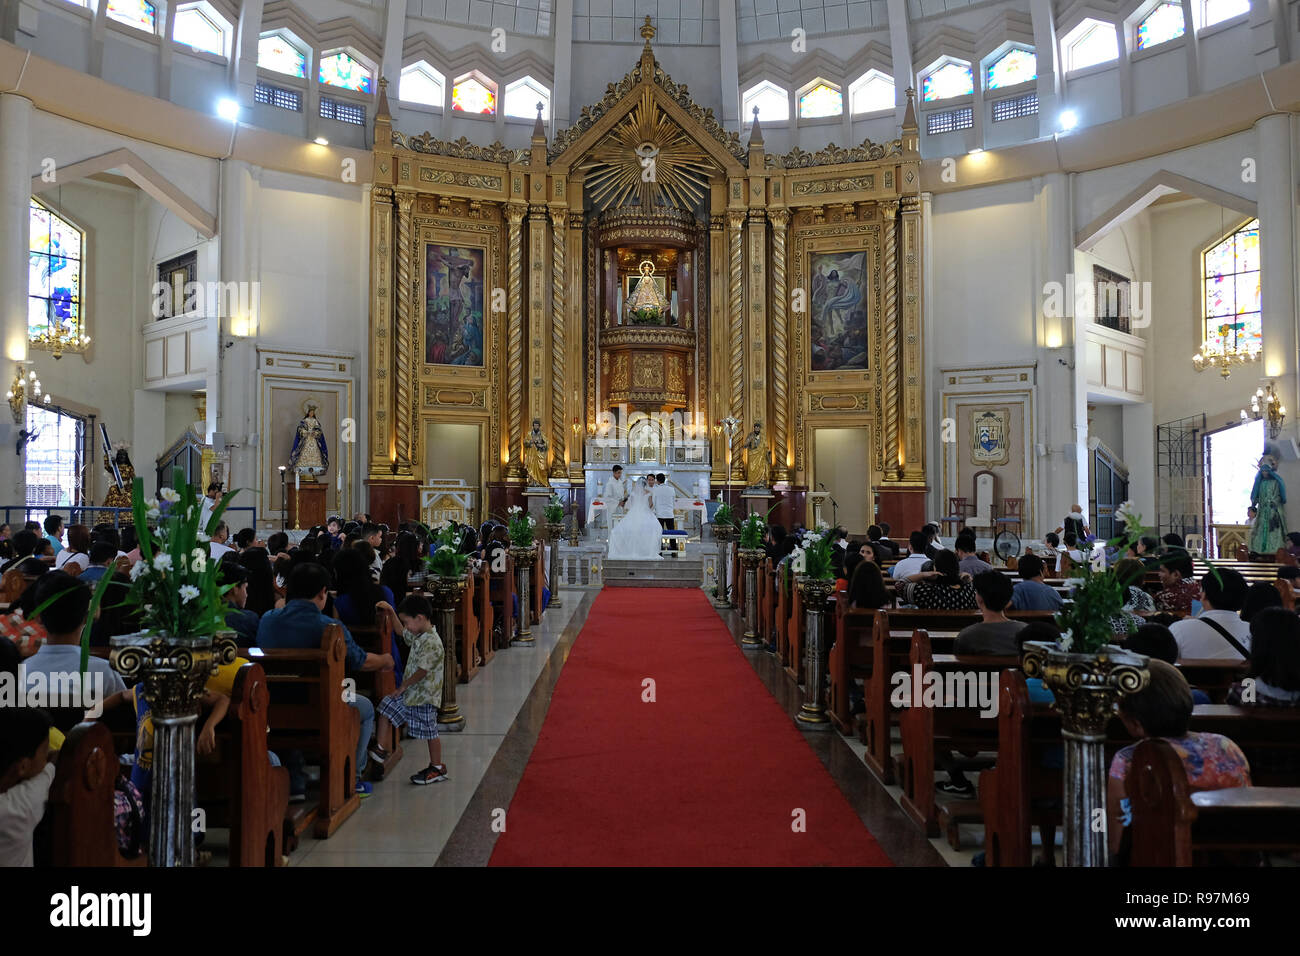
{"points": [[218, 441]]}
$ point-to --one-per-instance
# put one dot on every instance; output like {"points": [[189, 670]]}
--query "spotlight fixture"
{"points": [[322, 141], [228, 109]]}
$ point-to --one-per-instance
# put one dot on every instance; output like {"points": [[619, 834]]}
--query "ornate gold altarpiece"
{"points": [[535, 214]]}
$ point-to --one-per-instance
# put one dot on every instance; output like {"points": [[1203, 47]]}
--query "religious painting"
{"points": [[990, 431], [453, 312], [838, 311]]}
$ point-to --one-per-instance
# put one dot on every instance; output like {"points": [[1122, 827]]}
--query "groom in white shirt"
{"points": [[614, 495], [663, 498]]}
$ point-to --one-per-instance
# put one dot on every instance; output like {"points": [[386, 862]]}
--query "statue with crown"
{"points": [[647, 304]]}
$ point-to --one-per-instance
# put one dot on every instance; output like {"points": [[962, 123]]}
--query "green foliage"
{"points": [[520, 526], [724, 514], [812, 557], [554, 510], [445, 559], [752, 531], [646, 315]]}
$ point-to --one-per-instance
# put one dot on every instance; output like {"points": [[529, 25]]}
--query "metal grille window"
{"points": [[1180, 488], [278, 96], [1014, 107], [343, 112], [55, 457], [950, 120]]}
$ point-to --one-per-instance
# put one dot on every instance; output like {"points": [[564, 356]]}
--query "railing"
{"points": [[92, 515]]}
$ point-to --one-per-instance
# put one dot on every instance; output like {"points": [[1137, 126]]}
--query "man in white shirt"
{"points": [[614, 494], [57, 665], [663, 498], [217, 546], [915, 562], [209, 504], [1223, 592]]}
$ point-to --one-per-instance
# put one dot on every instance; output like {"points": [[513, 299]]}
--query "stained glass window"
{"points": [[421, 83], [822, 100], [196, 29], [1216, 11], [951, 79], [1232, 296], [522, 97], [873, 92], [471, 96], [341, 70], [773, 103], [140, 14], [1161, 25], [276, 53], [1088, 44], [1014, 66], [53, 273]]}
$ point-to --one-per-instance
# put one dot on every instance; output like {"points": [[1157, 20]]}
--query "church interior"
{"points": [[649, 433]]}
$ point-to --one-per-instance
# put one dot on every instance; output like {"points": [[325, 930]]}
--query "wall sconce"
{"points": [[1265, 404], [18, 390]]}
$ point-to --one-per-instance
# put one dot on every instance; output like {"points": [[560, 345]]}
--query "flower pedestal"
{"points": [[174, 671], [555, 532], [1087, 688], [815, 591], [749, 560], [444, 594], [524, 558], [724, 534]]}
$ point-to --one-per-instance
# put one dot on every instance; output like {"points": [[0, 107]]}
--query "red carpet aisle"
{"points": [[709, 774]]}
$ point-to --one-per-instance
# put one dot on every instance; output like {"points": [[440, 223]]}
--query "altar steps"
{"points": [[683, 572]]}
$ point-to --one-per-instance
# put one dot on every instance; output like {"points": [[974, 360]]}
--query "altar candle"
{"points": [[295, 481], [339, 482]]}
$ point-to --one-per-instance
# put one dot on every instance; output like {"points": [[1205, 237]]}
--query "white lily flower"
{"points": [[169, 494], [188, 593], [162, 561], [202, 537], [137, 569]]}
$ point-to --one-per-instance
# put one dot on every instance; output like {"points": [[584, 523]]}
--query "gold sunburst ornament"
{"points": [[650, 158]]}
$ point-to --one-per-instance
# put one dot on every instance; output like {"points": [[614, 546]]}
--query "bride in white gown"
{"points": [[638, 536]]}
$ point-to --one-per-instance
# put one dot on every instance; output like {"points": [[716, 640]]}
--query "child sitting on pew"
{"points": [[415, 704], [26, 775], [1164, 709]]}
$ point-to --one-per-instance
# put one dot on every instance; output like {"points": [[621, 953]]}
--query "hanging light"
{"points": [[1265, 405]]}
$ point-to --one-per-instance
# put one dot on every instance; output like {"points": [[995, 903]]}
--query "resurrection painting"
{"points": [[453, 313], [838, 311]]}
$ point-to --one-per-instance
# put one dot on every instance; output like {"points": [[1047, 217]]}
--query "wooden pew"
{"points": [[849, 658], [483, 611], [954, 728], [1268, 736], [766, 604], [239, 788], [1173, 825], [80, 811], [535, 583], [378, 638], [308, 713], [1213, 676], [467, 631], [794, 636], [501, 589]]}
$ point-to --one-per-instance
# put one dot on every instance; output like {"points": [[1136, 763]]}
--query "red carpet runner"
{"points": [[711, 773]]}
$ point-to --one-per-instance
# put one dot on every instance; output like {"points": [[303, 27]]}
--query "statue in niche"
{"points": [[123, 475], [310, 455], [757, 462], [647, 305], [535, 457]]}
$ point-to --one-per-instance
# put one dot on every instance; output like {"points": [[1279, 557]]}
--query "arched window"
{"points": [[57, 253], [140, 14], [1232, 295], [522, 97], [421, 83], [345, 71], [820, 99], [200, 27], [1216, 11], [953, 78], [773, 103], [1014, 66], [276, 53], [1161, 25], [871, 92], [1089, 43], [474, 93]]}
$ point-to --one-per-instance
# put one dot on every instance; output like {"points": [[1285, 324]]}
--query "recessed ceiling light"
{"points": [[322, 141], [228, 109]]}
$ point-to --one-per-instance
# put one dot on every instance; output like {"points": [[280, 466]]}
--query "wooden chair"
{"points": [[958, 512], [1012, 513]]}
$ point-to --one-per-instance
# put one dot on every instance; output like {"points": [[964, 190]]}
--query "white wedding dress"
{"points": [[637, 536]]}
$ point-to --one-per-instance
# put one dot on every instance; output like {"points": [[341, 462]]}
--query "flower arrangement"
{"points": [[812, 555], [752, 531], [646, 315], [724, 514], [554, 510], [520, 527], [445, 559], [175, 582]]}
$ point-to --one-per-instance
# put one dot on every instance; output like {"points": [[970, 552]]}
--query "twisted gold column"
{"points": [[736, 315], [515, 340], [405, 337], [779, 371], [381, 330], [559, 356], [893, 347], [913, 395]]}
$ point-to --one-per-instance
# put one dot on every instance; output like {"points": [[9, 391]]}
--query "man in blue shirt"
{"points": [[54, 532], [299, 624], [1030, 593]]}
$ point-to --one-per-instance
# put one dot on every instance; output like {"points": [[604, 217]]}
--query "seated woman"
{"points": [[404, 562], [261, 580], [1274, 662], [357, 592], [1137, 601], [867, 588], [1259, 595], [1164, 709], [943, 589], [847, 567]]}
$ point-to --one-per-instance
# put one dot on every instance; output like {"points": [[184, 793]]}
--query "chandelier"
{"points": [[17, 394], [1265, 405], [1223, 360], [59, 339]]}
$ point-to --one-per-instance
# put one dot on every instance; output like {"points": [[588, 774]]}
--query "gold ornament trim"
{"points": [[832, 155], [460, 149]]}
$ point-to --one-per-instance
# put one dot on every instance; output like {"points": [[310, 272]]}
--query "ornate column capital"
{"points": [[515, 212], [780, 217]]}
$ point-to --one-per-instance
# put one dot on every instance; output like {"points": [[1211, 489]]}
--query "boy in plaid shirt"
{"points": [[415, 704]]}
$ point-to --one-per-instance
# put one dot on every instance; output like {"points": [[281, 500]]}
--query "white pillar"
{"points": [[1047, 48], [563, 20], [15, 198], [243, 59], [730, 55], [900, 52], [391, 67]]}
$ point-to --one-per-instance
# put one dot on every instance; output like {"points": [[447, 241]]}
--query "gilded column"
{"points": [[719, 348], [559, 352], [407, 286], [893, 351], [756, 325], [539, 330], [780, 368], [381, 328], [913, 395], [515, 340], [573, 260], [736, 316]]}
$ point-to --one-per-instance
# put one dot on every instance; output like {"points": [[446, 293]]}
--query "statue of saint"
{"points": [[119, 494], [1268, 497], [535, 457], [646, 303], [309, 456], [757, 465]]}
